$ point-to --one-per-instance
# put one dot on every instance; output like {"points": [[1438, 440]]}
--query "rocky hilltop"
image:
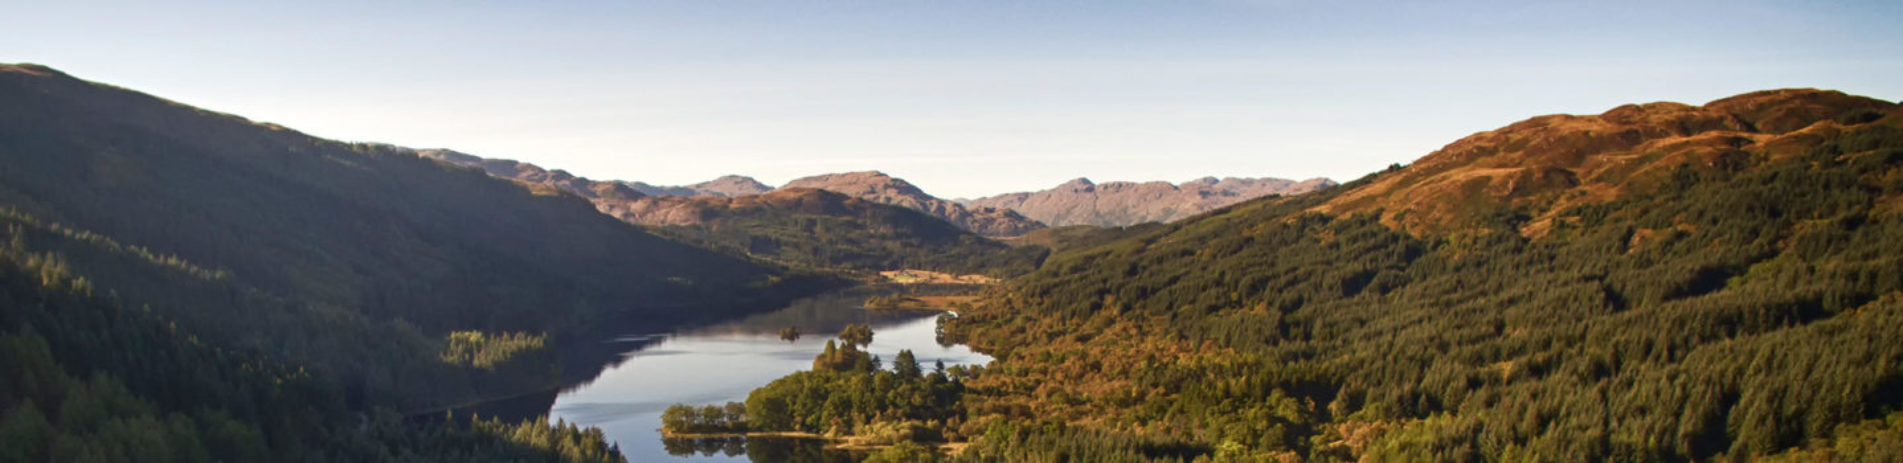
{"points": [[881, 188], [725, 187], [1119, 204]]}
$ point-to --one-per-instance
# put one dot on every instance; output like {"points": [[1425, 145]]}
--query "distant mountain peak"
{"points": [[1077, 184], [725, 186], [870, 183]]}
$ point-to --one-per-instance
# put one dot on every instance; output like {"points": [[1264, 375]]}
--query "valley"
{"points": [[1655, 282]]}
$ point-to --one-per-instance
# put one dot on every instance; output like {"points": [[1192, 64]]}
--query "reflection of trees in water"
{"points": [[759, 449], [728, 446], [824, 314]]}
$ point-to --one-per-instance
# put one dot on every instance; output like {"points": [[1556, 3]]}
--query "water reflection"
{"points": [[724, 362], [764, 449], [725, 446]]}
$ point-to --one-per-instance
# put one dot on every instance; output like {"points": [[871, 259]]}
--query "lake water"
{"points": [[721, 363]]}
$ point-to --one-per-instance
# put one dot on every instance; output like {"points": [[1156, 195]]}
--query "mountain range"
{"points": [[889, 224], [1077, 202], [645, 204], [1120, 204]]}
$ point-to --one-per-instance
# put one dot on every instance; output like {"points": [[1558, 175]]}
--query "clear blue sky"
{"points": [[964, 98]]}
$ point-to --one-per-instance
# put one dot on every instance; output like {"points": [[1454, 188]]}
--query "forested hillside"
{"points": [[344, 257], [1660, 282], [89, 380], [246, 258]]}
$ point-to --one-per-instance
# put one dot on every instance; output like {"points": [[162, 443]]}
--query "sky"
{"points": [[964, 98]]}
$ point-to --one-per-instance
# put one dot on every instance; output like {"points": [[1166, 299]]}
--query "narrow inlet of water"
{"points": [[722, 363]]}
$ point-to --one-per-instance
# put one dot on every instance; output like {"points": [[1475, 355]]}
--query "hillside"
{"points": [[362, 227], [394, 282], [885, 189], [1122, 204], [1659, 282], [1076, 237], [1547, 165], [820, 229]]}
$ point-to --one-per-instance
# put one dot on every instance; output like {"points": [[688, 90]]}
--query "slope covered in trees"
{"points": [[309, 291], [89, 380], [1661, 282], [344, 257]]}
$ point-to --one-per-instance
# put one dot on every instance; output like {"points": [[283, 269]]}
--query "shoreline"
{"points": [[848, 443], [666, 434]]}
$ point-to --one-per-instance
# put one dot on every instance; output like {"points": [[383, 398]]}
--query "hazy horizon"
{"points": [[962, 99]]}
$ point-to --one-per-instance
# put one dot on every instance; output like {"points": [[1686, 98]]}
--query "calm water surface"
{"points": [[722, 363]]}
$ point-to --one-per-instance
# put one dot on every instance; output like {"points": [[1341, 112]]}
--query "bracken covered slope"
{"points": [[1548, 164]]}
